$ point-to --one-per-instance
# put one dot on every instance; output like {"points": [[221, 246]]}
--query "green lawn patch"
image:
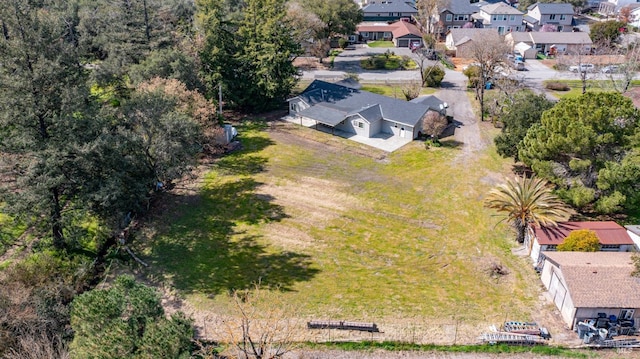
{"points": [[394, 91], [388, 61], [482, 348], [381, 43]]}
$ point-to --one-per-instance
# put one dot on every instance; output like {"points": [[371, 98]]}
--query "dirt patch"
{"points": [[461, 62], [309, 63]]}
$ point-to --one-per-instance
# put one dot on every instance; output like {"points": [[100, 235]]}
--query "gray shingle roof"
{"points": [[599, 279], [553, 8], [472, 34], [331, 103], [395, 6], [460, 7], [501, 8]]}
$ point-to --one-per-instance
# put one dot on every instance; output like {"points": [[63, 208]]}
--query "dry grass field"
{"points": [[335, 230]]}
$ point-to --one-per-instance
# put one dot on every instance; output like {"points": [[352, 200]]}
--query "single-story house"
{"points": [[461, 40], [390, 10], [405, 34], [374, 31], [613, 237], [402, 33], [586, 285], [358, 112], [563, 42]]}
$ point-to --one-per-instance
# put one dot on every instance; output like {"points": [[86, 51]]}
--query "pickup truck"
{"points": [[582, 68]]}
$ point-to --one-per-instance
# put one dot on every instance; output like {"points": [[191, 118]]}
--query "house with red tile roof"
{"points": [[586, 285], [613, 237]]}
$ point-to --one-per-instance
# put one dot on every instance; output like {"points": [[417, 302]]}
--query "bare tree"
{"points": [[577, 61], [427, 10], [488, 54], [306, 24], [320, 49], [262, 327], [411, 90], [433, 124], [621, 67]]}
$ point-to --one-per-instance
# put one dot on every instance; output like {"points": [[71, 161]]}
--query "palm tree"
{"points": [[527, 201]]}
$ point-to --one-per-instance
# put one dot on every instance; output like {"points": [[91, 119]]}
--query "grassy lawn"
{"points": [[575, 87], [381, 43], [393, 90], [343, 234]]}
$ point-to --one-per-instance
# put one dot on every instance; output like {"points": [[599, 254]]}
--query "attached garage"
{"points": [[403, 43]]}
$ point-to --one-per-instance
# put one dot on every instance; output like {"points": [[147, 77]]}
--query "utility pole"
{"points": [[220, 98]]}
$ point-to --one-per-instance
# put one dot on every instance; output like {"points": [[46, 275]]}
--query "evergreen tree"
{"points": [[43, 105], [586, 146], [522, 113], [253, 58]]}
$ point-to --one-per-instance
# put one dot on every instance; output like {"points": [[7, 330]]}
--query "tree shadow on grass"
{"points": [[204, 252]]}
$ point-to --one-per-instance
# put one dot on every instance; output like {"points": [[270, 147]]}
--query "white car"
{"points": [[582, 68], [610, 69]]}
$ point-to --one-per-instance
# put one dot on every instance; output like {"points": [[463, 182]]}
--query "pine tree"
{"points": [[43, 101]]}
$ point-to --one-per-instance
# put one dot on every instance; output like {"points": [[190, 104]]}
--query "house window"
{"points": [[626, 314], [512, 18], [387, 35], [353, 38], [610, 247], [501, 30], [495, 17], [294, 107], [552, 17], [560, 28], [563, 17], [365, 34], [504, 17], [449, 17], [359, 124], [552, 248], [461, 17]]}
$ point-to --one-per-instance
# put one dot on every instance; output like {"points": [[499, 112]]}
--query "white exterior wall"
{"points": [[296, 105], [635, 238], [396, 129], [552, 279]]}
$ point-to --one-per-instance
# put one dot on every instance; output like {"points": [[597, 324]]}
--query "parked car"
{"points": [[582, 68], [610, 69], [518, 65]]}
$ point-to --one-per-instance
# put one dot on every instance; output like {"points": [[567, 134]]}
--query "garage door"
{"points": [[403, 43]]}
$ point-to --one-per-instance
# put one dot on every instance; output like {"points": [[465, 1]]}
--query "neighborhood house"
{"points": [[593, 285], [402, 33], [359, 112], [613, 237]]}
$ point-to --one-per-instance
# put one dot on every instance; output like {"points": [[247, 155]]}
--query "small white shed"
{"points": [[525, 50]]}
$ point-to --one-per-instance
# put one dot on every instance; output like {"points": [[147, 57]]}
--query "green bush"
{"points": [[557, 86], [473, 74], [433, 76], [342, 42]]}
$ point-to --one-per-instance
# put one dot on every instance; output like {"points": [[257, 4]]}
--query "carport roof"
{"points": [[332, 100]]}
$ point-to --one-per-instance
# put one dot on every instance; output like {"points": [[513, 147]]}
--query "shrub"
{"points": [[473, 74], [581, 240], [557, 86], [433, 76], [342, 42]]}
